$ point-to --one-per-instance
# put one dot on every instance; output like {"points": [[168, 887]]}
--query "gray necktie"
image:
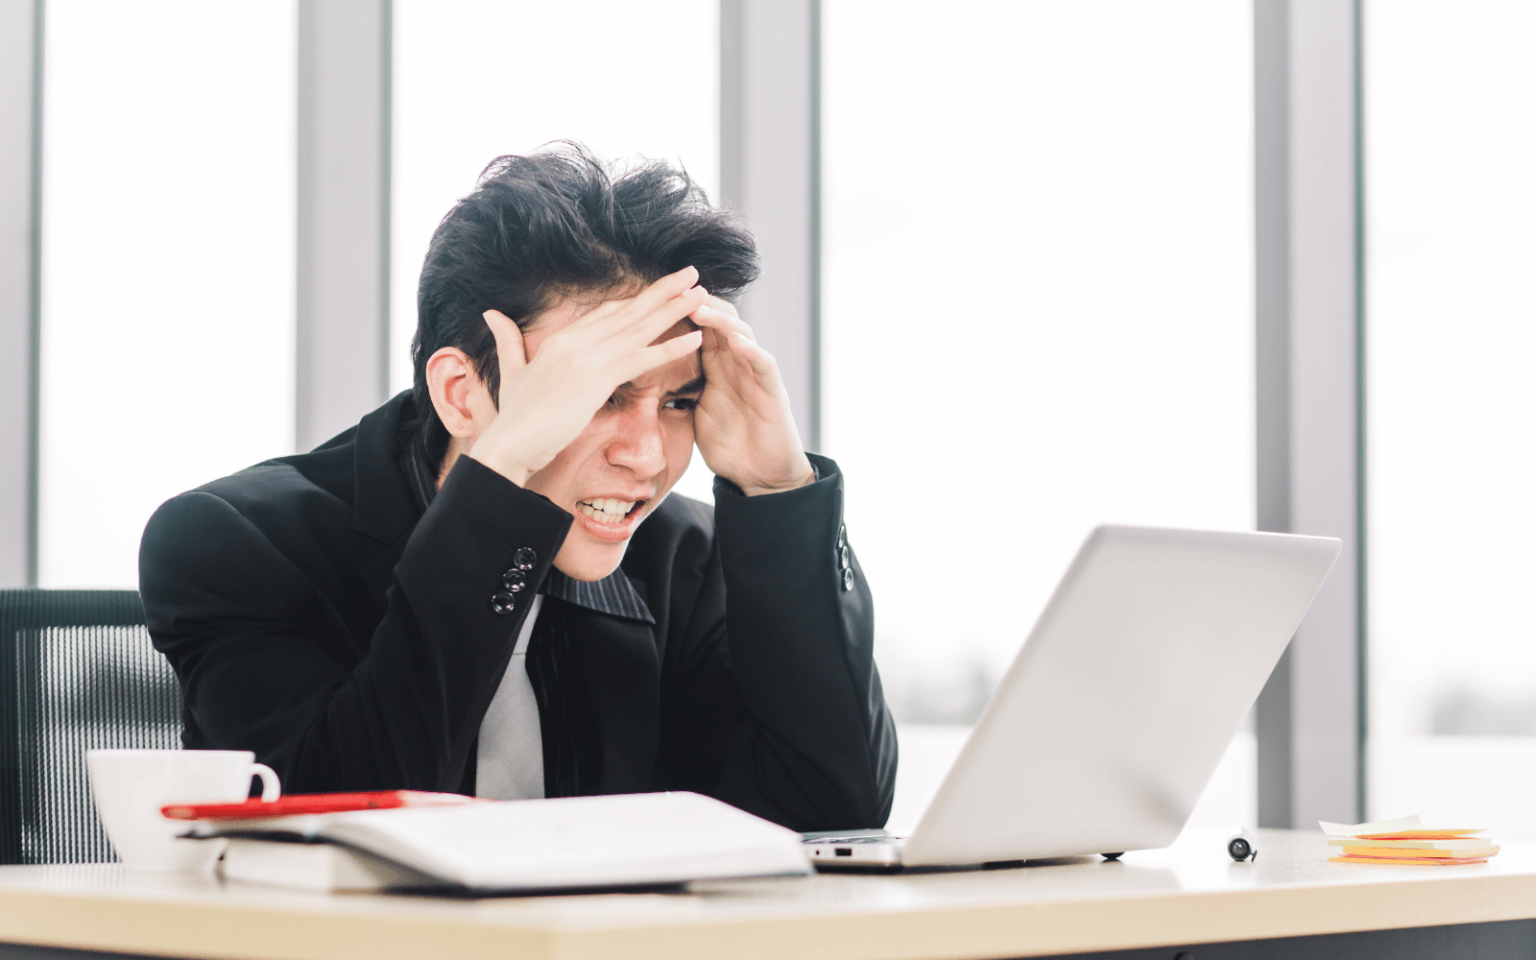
{"points": [[510, 760]]}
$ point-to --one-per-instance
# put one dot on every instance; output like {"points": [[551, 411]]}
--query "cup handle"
{"points": [[271, 787]]}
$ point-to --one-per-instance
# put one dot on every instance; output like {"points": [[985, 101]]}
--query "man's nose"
{"points": [[637, 443]]}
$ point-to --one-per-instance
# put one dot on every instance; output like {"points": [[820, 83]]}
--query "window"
{"points": [[1451, 339], [167, 265], [1038, 311]]}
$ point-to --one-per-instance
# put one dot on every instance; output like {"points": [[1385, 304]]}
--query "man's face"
{"points": [[626, 460]]}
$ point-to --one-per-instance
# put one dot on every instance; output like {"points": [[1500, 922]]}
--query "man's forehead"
{"points": [[569, 307], [563, 311]]}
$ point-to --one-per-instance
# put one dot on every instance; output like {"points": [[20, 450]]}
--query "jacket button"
{"points": [[842, 557], [514, 580], [504, 603], [842, 536], [847, 579], [525, 558]]}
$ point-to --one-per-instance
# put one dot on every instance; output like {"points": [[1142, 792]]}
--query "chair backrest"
{"points": [[77, 671]]}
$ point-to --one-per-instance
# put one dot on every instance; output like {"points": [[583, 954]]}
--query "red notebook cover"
{"points": [[305, 803]]}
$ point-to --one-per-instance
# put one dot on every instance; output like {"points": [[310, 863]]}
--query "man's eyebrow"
{"points": [[696, 385]]}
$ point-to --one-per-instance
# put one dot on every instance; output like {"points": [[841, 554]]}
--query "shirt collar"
{"points": [[614, 595]]}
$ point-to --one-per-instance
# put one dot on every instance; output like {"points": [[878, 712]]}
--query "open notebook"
{"points": [[512, 846]]}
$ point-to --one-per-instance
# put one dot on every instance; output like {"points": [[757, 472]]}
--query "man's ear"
{"points": [[453, 385]]}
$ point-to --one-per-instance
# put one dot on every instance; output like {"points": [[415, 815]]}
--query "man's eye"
{"points": [[685, 404]]}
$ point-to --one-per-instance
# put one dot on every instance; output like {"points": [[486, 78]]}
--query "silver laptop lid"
{"points": [[1123, 699]]}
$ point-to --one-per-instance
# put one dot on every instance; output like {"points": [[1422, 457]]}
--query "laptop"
{"points": [[1118, 707]]}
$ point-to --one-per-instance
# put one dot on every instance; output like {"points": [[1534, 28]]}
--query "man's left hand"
{"points": [[743, 424]]}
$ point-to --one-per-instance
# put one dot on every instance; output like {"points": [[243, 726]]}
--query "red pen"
{"points": [[299, 804]]}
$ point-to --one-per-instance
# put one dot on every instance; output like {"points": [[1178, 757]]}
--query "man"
{"points": [[483, 587]]}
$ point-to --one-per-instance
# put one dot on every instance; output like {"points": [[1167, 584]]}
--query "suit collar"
{"points": [[615, 594], [382, 506]]}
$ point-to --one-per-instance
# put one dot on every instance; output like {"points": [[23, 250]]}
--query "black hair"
{"points": [[552, 224]]}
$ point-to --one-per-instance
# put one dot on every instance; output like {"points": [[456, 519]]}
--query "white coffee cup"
{"points": [[130, 786]]}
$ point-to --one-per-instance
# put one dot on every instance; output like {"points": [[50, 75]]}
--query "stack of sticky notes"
{"points": [[1407, 841]]}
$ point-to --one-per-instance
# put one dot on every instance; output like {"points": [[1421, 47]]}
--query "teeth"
{"points": [[606, 509]]}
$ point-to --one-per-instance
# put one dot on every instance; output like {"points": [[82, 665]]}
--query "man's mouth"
{"points": [[607, 511]]}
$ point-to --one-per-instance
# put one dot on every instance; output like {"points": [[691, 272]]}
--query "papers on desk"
{"points": [[1407, 841], [512, 846]]}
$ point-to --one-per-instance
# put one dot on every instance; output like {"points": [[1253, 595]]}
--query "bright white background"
{"points": [[1451, 346], [168, 264], [475, 79], [1038, 312], [1039, 298]]}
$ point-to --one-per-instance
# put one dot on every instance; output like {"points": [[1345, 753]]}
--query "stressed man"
{"points": [[484, 586]]}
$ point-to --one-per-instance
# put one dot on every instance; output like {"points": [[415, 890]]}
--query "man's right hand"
{"points": [[546, 401]]}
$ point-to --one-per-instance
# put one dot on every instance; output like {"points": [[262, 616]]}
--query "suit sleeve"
{"points": [[782, 661], [268, 662]]}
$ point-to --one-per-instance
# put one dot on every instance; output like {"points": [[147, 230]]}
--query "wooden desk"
{"points": [[1188, 895]]}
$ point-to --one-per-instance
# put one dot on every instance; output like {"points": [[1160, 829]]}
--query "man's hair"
{"points": [[554, 224]]}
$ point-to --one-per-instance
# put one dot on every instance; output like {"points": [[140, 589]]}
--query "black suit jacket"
{"points": [[314, 615]]}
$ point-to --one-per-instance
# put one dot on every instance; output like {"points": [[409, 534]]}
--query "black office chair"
{"points": [[76, 671]]}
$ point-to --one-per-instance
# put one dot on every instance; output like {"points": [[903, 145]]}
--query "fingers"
{"points": [[720, 303], [510, 354], [666, 288], [761, 361], [648, 300], [729, 334], [634, 323], [748, 349], [668, 350], [729, 309], [661, 319], [711, 315]]}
